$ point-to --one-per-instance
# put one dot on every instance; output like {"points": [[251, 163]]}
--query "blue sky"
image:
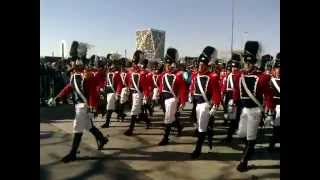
{"points": [[190, 25]]}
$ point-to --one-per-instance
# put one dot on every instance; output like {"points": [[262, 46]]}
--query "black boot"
{"points": [[129, 132], [178, 126], [195, 133], [275, 138], [100, 139], [196, 153], [121, 113], [75, 145], [165, 139], [108, 117], [248, 151]]}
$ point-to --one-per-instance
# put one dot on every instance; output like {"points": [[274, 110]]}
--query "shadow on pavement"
{"points": [[61, 112]]}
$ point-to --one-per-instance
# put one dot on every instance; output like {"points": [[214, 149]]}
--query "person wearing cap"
{"points": [[265, 64], [79, 86], [146, 106], [112, 88], [154, 75], [275, 104], [252, 92], [224, 91], [139, 85], [233, 109], [173, 90], [205, 89], [125, 92]]}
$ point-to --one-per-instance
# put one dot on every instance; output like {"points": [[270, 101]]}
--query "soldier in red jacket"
{"points": [[139, 85], [224, 94], [173, 91], [275, 103], [125, 92], [154, 76], [80, 86], [233, 108], [205, 89], [112, 88], [252, 91]]}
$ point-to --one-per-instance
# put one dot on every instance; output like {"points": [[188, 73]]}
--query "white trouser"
{"points": [[124, 95], [136, 104], [111, 101], [155, 95], [82, 120], [202, 111], [171, 109], [249, 123], [277, 119]]}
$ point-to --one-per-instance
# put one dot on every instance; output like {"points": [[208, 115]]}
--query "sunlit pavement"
{"points": [[139, 156]]}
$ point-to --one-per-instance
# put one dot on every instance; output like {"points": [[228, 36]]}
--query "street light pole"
{"points": [[232, 26]]}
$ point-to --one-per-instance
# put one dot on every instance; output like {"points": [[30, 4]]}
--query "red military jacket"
{"points": [[142, 81], [69, 88], [224, 84], [178, 85], [227, 86], [274, 93], [114, 78], [258, 84], [212, 86]]}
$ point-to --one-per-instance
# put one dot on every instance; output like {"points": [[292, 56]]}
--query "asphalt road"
{"points": [[139, 156]]}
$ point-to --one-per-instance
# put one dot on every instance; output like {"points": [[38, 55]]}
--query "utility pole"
{"points": [[232, 26]]}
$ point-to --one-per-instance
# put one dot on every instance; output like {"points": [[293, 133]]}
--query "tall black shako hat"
{"points": [[122, 62], [229, 65], [207, 54], [265, 61], [235, 60], [277, 61], [171, 56], [136, 57], [251, 50]]}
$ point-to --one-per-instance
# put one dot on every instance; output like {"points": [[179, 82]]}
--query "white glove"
{"points": [[144, 100], [117, 97], [230, 103], [190, 98], [213, 110], [268, 120], [101, 89], [52, 102]]}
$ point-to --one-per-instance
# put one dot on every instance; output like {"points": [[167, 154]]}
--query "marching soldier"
{"points": [[139, 85], [146, 106], [125, 92], [252, 90], [224, 91], [154, 75], [79, 85], [113, 87], [205, 89], [174, 93], [233, 108], [275, 106]]}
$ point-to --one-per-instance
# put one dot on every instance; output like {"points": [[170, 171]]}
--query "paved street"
{"points": [[139, 157]]}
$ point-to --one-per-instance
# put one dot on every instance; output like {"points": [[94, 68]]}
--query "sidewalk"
{"points": [[139, 156]]}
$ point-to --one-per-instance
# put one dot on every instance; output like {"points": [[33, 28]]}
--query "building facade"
{"points": [[152, 43]]}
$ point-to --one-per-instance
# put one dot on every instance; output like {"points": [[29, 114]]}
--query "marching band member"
{"points": [[113, 87], [79, 85], [139, 85], [205, 89], [275, 106], [173, 91], [252, 89]]}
